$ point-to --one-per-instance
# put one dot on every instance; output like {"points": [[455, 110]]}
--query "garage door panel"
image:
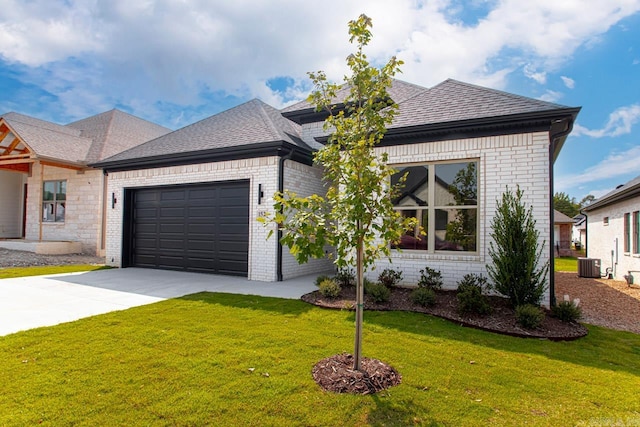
{"points": [[202, 228]]}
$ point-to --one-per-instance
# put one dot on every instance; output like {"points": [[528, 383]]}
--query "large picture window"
{"points": [[54, 201], [444, 199]]}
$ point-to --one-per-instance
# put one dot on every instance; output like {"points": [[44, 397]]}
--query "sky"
{"points": [[174, 62]]}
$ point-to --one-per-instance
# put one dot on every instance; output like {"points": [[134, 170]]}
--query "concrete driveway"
{"points": [[31, 302]]}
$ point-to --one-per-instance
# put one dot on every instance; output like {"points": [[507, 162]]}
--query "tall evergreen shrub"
{"points": [[514, 251]]}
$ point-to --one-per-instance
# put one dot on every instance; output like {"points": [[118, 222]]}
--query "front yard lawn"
{"points": [[567, 264], [220, 359], [12, 272]]}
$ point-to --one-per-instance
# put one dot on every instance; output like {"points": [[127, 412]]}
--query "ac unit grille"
{"points": [[589, 267]]}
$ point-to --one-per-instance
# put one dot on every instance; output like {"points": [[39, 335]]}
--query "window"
{"points": [[606, 220], [627, 232], [443, 197], [54, 196], [636, 232]]}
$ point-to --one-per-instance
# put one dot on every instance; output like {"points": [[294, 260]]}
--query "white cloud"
{"points": [[162, 51], [568, 82], [538, 76], [615, 165], [620, 123], [551, 96]]}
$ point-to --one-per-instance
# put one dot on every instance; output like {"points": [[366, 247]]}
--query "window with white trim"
{"points": [[54, 201], [636, 232], [627, 232], [443, 196]]}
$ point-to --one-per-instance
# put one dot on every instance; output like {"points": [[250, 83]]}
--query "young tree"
{"points": [[356, 217], [563, 203], [515, 253]]}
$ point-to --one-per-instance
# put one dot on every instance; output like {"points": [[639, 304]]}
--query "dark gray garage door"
{"points": [[200, 228]]}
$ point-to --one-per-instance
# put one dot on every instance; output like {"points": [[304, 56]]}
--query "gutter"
{"points": [[281, 161], [553, 138]]}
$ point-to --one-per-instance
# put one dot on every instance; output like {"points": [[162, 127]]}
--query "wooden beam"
{"points": [[11, 146], [16, 161], [15, 156], [4, 131], [20, 167], [61, 165]]}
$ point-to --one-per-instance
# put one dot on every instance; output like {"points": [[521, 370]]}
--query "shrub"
{"points": [[366, 285], [329, 288], [390, 277], [471, 298], [321, 279], [379, 292], [430, 278], [529, 316], [345, 277], [514, 252], [567, 311], [425, 297]]}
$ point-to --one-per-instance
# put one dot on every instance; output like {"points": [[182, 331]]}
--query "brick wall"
{"points": [[304, 181], [601, 238], [262, 252]]}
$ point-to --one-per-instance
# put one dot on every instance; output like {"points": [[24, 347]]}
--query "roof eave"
{"points": [[272, 148], [625, 194]]}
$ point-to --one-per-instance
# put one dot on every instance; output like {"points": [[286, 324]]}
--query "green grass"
{"points": [[203, 360], [11, 272], [568, 264]]}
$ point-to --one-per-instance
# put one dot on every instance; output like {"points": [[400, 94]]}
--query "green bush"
{"points": [[390, 277], [471, 298], [430, 278], [567, 311], [529, 316], [366, 285], [514, 252], [425, 297], [379, 292], [329, 288], [321, 279], [345, 277]]}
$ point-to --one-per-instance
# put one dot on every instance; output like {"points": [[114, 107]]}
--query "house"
{"points": [[579, 232], [613, 223], [52, 201], [562, 229], [190, 199]]}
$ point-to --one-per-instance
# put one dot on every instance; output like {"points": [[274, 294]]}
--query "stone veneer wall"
{"points": [[601, 238], [262, 252], [83, 210]]}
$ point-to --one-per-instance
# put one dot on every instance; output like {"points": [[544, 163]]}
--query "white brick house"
{"points": [[48, 193], [613, 231], [440, 135]]}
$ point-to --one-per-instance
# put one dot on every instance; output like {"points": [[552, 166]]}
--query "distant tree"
{"points": [[586, 200], [563, 203]]}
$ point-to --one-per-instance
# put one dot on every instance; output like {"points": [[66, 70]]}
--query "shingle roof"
{"points": [[251, 123], [115, 131], [86, 140], [49, 140], [453, 101], [399, 91], [622, 192], [560, 218]]}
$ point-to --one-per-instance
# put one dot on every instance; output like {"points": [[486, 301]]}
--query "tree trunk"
{"points": [[357, 353]]}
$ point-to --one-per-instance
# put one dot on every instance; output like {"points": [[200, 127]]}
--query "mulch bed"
{"points": [[502, 320], [336, 374]]}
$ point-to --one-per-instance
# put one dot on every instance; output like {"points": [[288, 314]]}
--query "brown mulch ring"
{"points": [[502, 319], [336, 374]]}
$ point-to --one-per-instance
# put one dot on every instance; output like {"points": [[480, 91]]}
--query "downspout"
{"points": [[553, 137], [586, 233], [281, 161]]}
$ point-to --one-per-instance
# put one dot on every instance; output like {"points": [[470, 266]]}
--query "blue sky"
{"points": [[176, 62]]}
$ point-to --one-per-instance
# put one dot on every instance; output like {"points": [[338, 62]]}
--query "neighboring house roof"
{"points": [[251, 127], [623, 192], [560, 218], [78, 143], [579, 220], [399, 91]]}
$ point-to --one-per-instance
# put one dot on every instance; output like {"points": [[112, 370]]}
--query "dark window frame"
{"points": [[54, 203]]}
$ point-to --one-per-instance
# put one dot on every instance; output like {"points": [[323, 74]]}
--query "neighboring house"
{"points": [[48, 192], [579, 232], [613, 224], [190, 200], [562, 228]]}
